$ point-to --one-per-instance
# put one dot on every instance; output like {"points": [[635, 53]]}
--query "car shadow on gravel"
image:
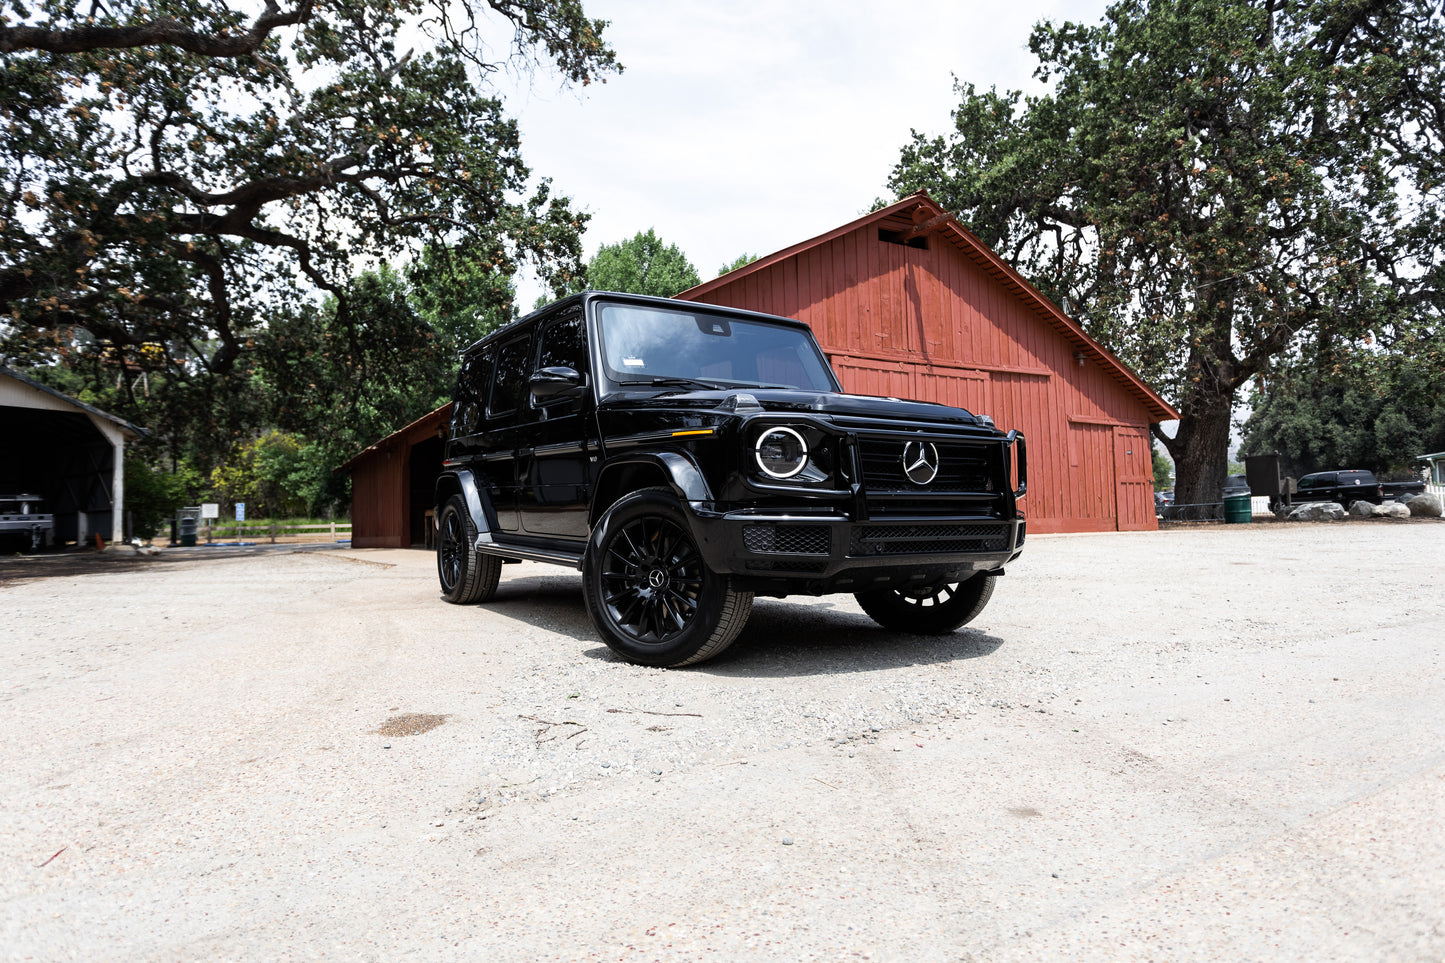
{"points": [[813, 637], [551, 602], [804, 636]]}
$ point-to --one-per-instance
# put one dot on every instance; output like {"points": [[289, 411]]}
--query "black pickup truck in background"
{"points": [[1402, 491], [1345, 487]]}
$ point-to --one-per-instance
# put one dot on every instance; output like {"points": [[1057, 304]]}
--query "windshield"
{"points": [[681, 348]]}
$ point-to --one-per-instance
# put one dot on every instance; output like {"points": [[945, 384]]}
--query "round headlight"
{"points": [[781, 452]]}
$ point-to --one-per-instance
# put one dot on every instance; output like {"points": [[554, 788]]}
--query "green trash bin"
{"points": [[1237, 508]]}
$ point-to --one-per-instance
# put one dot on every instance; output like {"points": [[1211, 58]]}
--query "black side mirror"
{"points": [[556, 383]]}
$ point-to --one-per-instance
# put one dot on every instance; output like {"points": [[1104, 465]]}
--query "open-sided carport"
{"points": [[68, 452]]}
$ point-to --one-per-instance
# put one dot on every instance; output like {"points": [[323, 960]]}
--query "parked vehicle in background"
{"points": [[22, 521], [1345, 487], [1162, 501], [685, 457], [1402, 491]]}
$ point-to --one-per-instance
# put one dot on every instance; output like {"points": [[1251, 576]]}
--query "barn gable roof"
{"points": [[426, 425], [928, 217], [129, 431]]}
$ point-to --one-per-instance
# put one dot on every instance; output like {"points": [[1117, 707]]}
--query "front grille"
{"points": [[961, 467], [787, 539], [901, 505], [927, 539]]}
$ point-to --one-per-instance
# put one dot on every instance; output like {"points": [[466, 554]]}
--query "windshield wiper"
{"points": [[677, 383]]}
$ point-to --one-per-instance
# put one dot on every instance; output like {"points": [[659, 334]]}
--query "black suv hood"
{"points": [[812, 402]]}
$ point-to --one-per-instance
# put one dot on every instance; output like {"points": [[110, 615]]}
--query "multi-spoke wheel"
{"points": [[650, 594], [929, 610], [465, 576]]}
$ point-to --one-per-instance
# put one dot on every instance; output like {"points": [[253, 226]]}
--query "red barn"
{"points": [[907, 303]]}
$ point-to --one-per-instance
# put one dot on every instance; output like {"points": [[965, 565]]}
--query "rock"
{"points": [[1424, 506], [1361, 509], [1316, 512], [1391, 510]]}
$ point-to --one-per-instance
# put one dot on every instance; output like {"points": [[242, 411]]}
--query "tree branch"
{"points": [[165, 31]]}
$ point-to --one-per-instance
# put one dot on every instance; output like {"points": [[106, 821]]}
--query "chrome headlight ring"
{"points": [[780, 453]]}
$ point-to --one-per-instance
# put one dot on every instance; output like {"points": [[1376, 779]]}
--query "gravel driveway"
{"points": [[1191, 745]]}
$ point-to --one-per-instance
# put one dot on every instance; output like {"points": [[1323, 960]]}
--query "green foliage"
{"points": [[741, 261], [333, 388], [1163, 470], [174, 179], [1361, 408], [1215, 185], [257, 473], [462, 295], [358, 379], [642, 265], [152, 496]]}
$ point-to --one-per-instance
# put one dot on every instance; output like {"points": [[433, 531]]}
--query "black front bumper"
{"points": [[781, 553]]}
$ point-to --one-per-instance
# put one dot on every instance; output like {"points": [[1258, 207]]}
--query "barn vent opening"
{"points": [[896, 237]]}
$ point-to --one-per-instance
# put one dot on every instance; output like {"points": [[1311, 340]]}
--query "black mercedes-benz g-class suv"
{"points": [[685, 457]]}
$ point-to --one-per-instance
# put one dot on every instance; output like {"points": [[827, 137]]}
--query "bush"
{"points": [[152, 496]]}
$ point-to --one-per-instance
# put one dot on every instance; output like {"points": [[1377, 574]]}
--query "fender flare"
{"points": [[462, 482], [681, 473]]}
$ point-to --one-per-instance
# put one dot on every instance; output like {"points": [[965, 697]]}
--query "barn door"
{"points": [[1092, 498], [1134, 480]]}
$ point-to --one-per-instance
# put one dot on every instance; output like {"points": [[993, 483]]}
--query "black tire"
{"points": [[929, 610], [650, 594], [465, 576]]}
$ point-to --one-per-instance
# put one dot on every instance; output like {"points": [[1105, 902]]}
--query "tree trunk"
{"points": [[1200, 448]]}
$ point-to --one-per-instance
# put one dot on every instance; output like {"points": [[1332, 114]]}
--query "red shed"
{"points": [[393, 481], [908, 303]]}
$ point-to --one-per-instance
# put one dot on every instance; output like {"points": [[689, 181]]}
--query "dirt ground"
{"points": [[1222, 742]]}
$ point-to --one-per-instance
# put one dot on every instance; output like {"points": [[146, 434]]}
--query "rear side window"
{"points": [[1357, 478], [473, 381], [510, 377]]}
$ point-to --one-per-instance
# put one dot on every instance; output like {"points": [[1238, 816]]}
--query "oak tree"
{"points": [[176, 173], [1215, 187]]}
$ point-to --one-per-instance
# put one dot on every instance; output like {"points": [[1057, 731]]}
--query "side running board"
{"points": [[485, 546]]}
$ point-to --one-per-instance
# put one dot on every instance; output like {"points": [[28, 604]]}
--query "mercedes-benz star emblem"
{"points": [[920, 462]]}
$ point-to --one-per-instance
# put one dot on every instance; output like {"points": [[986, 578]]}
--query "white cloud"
{"points": [[752, 126]]}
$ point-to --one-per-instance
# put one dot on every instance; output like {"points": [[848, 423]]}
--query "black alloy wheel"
{"points": [[652, 579], [465, 576], [649, 591]]}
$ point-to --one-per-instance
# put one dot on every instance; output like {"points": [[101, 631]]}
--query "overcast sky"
{"points": [[750, 126]]}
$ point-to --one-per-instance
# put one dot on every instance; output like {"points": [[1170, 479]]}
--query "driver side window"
{"points": [[563, 344]]}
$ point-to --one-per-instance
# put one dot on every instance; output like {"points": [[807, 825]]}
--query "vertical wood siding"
{"points": [[378, 499], [381, 479], [932, 324]]}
